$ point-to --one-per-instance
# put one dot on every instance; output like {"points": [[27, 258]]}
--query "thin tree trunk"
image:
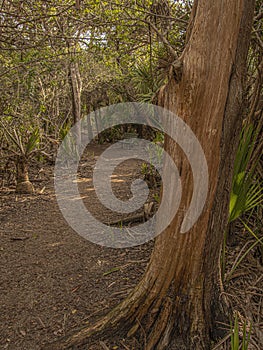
{"points": [[178, 298], [89, 123], [76, 87], [97, 116]]}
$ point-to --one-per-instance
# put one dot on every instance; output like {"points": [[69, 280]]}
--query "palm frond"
{"points": [[247, 190]]}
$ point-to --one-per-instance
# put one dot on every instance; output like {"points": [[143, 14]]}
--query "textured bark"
{"points": [[178, 298]]}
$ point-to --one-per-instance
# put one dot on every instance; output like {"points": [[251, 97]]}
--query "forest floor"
{"points": [[52, 280]]}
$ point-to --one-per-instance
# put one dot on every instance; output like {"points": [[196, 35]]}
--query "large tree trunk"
{"points": [[178, 298], [209, 98]]}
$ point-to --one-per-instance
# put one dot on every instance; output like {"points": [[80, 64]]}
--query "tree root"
{"points": [[79, 337], [124, 313], [128, 313]]}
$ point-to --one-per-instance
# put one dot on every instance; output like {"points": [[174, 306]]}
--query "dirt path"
{"points": [[51, 279]]}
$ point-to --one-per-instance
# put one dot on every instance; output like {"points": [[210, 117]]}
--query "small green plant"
{"points": [[246, 191], [146, 81], [22, 147], [159, 138], [236, 343], [144, 168], [157, 198]]}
